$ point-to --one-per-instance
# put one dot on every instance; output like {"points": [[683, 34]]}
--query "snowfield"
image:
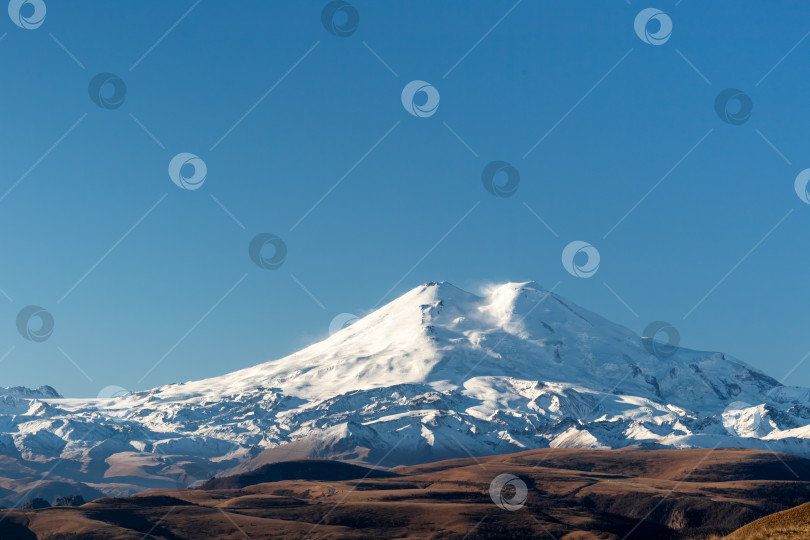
{"points": [[437, 373]]}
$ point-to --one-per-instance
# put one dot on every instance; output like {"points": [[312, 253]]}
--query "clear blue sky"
{"points": [[514, 85]]}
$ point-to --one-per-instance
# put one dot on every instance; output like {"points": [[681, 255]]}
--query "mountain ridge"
{"points": [[436, 373]]}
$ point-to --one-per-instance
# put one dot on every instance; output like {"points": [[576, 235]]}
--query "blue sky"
{"points": [[168, 279]]}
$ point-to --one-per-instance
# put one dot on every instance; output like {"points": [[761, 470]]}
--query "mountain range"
{"points": [[437, 373]]}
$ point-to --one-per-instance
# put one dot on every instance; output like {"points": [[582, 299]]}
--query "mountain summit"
{"points": [[444, 337], [436, 373]]}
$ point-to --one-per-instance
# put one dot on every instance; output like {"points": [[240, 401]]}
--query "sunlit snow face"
{"points": [[341, 321], [744, 420], [110, 401]]}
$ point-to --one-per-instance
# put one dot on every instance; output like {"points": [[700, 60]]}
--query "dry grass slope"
{"points": [[789, 525], [572, 495]]}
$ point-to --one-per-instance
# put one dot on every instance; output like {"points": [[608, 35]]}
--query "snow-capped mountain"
{"points": [[436, 373]]}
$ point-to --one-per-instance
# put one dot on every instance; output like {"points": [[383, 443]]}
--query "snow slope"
{"points": [[437, 373]]}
